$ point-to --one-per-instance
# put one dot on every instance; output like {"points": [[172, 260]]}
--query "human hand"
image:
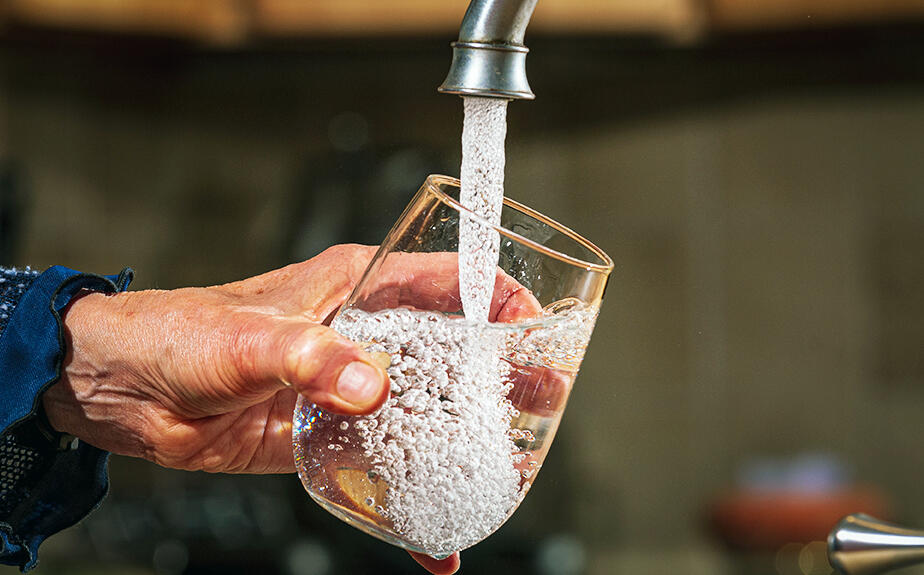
{"points": [[196, 378]]}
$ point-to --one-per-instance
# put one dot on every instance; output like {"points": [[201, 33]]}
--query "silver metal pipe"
{"points": [[489, 59], [862, 545]]}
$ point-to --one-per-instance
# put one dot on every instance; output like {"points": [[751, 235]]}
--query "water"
{"points": [[482, 191], [450, 456], [473, 406]]}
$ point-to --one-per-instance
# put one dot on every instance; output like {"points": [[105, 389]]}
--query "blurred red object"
{"points": [[768, 519]]}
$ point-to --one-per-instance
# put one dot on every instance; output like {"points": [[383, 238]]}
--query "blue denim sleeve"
{"points": [[48, 481]]}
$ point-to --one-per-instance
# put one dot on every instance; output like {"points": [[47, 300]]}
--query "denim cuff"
{"points": [[47, 481]]}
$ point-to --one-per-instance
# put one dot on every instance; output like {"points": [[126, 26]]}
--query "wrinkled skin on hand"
{"points": [[207, 378]]}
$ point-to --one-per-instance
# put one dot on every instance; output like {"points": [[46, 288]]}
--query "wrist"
{"points": [[32, 357], [84, 332]]}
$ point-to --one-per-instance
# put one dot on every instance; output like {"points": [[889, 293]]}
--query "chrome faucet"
{"points": [[489, 59], [861, 545]]}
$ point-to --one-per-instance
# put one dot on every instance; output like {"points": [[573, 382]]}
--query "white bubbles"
{"points": [[440, 441], [483, 133]]}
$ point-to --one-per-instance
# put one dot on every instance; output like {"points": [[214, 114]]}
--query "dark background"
{"points": [[760, 188]]}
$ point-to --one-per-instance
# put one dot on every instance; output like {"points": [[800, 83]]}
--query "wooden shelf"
{"points": [[753, 14], [216, 20], [364, 17], [232, 21]]}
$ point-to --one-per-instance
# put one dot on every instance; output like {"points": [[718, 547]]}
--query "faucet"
{"points": [[489, 59], [861, 545]]}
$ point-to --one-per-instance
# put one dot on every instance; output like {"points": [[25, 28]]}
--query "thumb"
{"points": [[325, 367]]}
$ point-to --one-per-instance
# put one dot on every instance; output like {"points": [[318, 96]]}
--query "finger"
{"points": [[446, 566], [427, 281], [255, 440], [325, 367], [430, 281], [512, 302], [539, 390]]}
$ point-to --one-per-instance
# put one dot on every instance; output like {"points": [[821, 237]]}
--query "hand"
{"points": [[207, 378]]}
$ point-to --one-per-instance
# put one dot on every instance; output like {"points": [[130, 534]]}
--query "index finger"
{"points": [[430, 281]]}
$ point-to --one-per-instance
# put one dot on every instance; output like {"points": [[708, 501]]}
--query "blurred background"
{"points": [[755, 168]]}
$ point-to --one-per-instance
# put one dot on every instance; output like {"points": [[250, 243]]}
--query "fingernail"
{"points": [[359, 383]]}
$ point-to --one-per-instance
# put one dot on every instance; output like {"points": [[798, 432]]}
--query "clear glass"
{"points": [[474, 406]]}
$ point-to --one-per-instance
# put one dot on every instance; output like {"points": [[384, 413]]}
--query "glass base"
{"points": [[366, 526]]}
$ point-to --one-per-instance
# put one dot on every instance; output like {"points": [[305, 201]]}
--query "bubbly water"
{"points": [[472, 411], [482, 191], [473, 405]]}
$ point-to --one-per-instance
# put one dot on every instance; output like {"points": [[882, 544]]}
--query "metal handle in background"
{"points": [[862, 545]]}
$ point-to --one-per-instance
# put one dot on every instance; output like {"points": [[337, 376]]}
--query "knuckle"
{"points": [[305, 354], [246, 344], [337, 252], [352, 258]]}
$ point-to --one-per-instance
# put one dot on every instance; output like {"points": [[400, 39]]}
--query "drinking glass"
{"points": [[474, 405]]}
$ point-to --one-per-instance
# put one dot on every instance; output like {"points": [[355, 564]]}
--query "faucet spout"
{"points": [[861, 545], [489, 59]]}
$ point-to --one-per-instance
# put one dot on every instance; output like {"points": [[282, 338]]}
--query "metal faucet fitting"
{"points": [[489, 59], [861, 545]]}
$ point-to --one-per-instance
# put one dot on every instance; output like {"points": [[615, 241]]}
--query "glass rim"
{"points": [[606, 267]]}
